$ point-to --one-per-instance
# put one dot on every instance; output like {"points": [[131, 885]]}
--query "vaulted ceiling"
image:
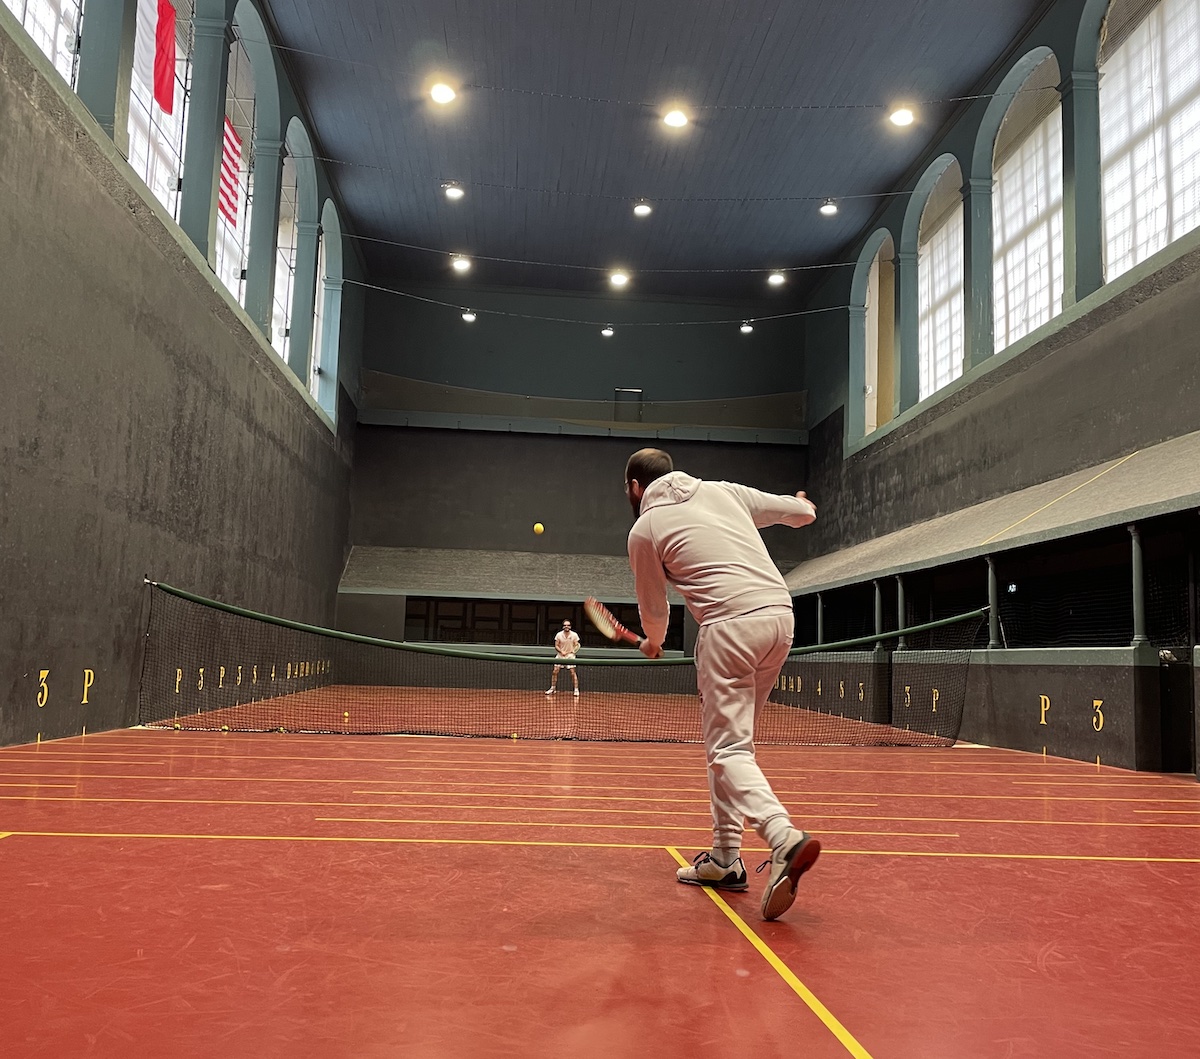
{"points": [[557, 128]]}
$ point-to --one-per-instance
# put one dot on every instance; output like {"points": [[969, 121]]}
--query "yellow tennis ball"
{"points": [[538, 528]]}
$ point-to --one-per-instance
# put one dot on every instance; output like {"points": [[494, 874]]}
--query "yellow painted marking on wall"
{"points": [[1069, 492], [798, 987], [594, 826]]}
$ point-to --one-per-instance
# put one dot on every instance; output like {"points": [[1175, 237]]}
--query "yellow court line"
{"points": [[1009, 856], [798, 987], [594, 826], [38, 784], [701, 801], [1146, 785], [986, 820], [577, 845], [315, 780], [701, 809], [341, 838], [1173, 812], [1094, 478], [5, 834]]}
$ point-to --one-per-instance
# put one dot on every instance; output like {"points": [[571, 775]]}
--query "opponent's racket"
{"points": [[608, 626]]}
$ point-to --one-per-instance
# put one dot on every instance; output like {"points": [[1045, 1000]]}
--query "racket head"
{"points": [[606, 623]]}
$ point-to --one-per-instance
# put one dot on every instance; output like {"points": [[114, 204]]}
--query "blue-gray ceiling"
{"points": [[552, 178]]}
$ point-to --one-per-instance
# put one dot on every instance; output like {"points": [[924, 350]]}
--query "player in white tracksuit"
{"points": [[702, 538]]}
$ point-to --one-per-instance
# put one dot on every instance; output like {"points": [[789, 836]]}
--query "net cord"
{"points": [[460, 652]]}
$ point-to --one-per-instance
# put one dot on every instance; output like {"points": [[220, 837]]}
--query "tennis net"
{"points": [[211, 666]]}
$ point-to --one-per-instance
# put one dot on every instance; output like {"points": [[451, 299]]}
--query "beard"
{"points": [[635, 503]]}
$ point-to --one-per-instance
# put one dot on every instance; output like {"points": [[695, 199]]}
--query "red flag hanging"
{"points": [[164, 57]]}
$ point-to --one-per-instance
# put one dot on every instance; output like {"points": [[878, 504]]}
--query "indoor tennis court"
{"points": [[264, 895], [442, 443]]}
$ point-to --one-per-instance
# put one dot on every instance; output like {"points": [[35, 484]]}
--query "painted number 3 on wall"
{"points": [[1097, 714]]}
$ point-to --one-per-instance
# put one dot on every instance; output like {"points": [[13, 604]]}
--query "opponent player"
{"points": [[566, 644], [702, 537]]}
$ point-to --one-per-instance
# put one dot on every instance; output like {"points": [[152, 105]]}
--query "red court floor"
{"points": [[184, 894]]}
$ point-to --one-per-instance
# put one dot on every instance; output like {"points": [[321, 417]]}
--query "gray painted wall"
{"points": [[144, 429], [417, 488], [1124, 376], [536, 357]]}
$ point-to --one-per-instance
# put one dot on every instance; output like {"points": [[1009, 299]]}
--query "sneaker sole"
{"points": [[778, 899], [731, 887]]}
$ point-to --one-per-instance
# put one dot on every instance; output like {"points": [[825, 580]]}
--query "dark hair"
{"points": [[648, 465]]}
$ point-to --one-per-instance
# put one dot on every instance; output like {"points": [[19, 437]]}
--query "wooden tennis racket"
{"points": [[606, 623]]}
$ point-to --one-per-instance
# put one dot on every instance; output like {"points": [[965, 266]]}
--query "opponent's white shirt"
{"points": [[566, 643]]}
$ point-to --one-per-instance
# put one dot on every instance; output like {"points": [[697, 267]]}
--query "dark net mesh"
{"points": [[212, 667]]}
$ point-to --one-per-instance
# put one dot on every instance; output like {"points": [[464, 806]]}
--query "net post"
{"points": [[1139, 588], [993, 589], [820, 619], [901, 612], [878, 614]]}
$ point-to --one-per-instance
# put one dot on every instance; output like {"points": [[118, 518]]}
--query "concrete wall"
{"points": [[145, 430], [1123, 376], [418, 488]]}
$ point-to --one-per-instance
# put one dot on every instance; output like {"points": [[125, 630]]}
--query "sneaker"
{"points": [[576, 693], [550, 691], [705, 871], [788, 863]]}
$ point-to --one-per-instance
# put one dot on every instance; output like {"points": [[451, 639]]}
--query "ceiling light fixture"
{"points": [[777, 279], [468, 316], [829, 208], [677, 119], [902, 116], [642, 208], [746, 327], [453, 189], [460, 263], [442, 93], [607, 331], [618, 279]]}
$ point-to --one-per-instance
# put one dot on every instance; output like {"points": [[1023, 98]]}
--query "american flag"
{"points": [[231, 164]]}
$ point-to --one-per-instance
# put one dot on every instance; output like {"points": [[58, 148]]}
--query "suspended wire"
{"points": [[593, 268], [458, 308]]}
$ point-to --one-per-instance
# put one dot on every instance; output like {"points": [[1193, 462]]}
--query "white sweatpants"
{"points": [[737, 663]]}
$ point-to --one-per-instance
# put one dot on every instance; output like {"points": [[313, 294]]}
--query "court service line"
{"points": [[844, 1036], [594, 787], [1082, 485], [595, 826], [39, 784], [576, 845]]}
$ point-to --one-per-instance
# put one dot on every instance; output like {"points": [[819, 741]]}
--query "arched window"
{"points": [[1149, 128], [285, 257], [880, 305], [1027, 208], [237, 169], [327, 326], [940, 284], [54, 27], [158, 112]]}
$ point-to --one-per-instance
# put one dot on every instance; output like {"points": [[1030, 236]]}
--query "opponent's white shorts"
{"points": [[560, 662]]}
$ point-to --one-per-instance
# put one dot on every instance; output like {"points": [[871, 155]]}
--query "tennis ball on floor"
{"points": [[538, 528]]}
